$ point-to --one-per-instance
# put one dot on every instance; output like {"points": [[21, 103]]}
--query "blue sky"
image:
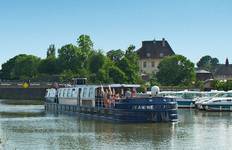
{"points": [[193, 28]]}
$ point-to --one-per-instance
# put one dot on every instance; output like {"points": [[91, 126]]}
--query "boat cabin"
{"points": [[92, 95]]}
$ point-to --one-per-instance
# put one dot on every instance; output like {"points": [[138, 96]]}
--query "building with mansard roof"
{"points": [[151, 53]]}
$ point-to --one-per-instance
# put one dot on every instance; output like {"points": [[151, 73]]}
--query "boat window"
{"points": [[85, 93], [217, 101], [69, 93], [229, 100], [51, 93], [229, 95], [64, 93], [91, 92], [60, 92], [73, 92]]}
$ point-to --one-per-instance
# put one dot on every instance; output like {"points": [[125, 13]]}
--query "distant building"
{"points": [[151, 53], [223, 71], [203, 75]]}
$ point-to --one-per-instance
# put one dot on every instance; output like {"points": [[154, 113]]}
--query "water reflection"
{"points": [[29, 127]]}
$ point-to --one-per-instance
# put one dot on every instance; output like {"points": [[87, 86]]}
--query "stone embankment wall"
{"points": [[16, 91]]}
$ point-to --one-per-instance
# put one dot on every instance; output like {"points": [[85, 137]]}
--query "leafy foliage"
{"points": [[79, 60], [115, 55], [48, 66], [20, 67], [222, 85], [51, 52], [129, 65], [207, 62], [175, 70], [69, 58]]}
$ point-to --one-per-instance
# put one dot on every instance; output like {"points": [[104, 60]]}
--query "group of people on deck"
{"points": [[111, 97]]}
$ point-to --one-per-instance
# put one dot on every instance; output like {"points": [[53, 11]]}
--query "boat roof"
{"points": [[107, 85], [123, 85]]}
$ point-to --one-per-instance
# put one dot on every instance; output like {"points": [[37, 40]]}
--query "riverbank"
{"points": [[19, 93]]}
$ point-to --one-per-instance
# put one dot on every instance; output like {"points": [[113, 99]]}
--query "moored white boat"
{"points": [[206, 97], [222, 102], [185, 99]]}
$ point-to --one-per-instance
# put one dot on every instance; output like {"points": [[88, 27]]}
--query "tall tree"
{"points": [[85, 45], [51, 52], [7, 67], [69, 58], [20, 67], [175, 70], [207, 63], [85, 42], [96, 62], [49, 66], [115, 55], [117, 75], [129, 65]]}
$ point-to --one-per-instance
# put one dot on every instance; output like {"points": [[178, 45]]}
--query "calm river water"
{"points": [[27, 127]]}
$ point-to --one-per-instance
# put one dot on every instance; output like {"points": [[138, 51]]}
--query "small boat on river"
{"points": [[206, 97], [185, 99], [115, 102], [221, 102]]}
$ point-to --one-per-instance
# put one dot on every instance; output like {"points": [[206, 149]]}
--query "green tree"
{"points": [[67, 76], [115, 55], [21, 66], [85, 45], [96, 62], [175, 70], [51, 52], [129, 65], [207, 63], [49, 66], [116, 75], [69, 58], [8, 67], [26, 67], [85, 42]]}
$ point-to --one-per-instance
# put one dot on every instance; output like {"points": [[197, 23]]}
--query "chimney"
{"points": [[227, 62], [163, 42]]}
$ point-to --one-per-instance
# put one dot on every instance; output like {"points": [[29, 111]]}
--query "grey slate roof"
{"points": [[223, 69], [155, 49]]}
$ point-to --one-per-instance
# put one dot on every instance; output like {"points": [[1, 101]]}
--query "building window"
{"points": [[161, 54], [144, 64], [153, 64]]}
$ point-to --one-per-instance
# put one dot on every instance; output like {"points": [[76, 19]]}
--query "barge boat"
{"points": [[116, 102]]}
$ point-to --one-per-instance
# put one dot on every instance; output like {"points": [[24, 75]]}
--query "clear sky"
{"points": [[193, 28]]}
